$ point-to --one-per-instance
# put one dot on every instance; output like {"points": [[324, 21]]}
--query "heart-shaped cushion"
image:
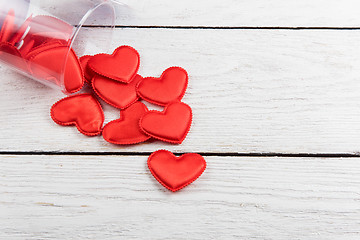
{"points": [[126, 130], [35, 42], [35, 50], [11, 55], [27, 47], [42, 30], [43, 38], [115, 93], [82, 110], [48, 64], [88, 73], [173, 172], [171, 86], [122, 65], [172, 125], [21, 31], [50, 27], [8, 27]]}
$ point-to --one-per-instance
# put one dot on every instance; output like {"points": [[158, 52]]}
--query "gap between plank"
{"points": [[225, 28], [224, 154], [206, 154]]}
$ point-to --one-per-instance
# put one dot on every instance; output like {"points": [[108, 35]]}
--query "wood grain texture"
{"points": [[292, 13], [251, 91], [229, 13], [115, 197]]}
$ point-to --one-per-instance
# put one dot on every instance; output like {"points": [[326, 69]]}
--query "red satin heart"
{"points": [[43, 30], [122, 65], [50, 27], [126, 130], [21, 31], [12, 56], [33, 51], [173, 172], [171, 86], [49, 64], [117, 94], [40, 39], [172, 125], [82, 110], [33, 43], [8, 27], [88, 73], [26, 48]]}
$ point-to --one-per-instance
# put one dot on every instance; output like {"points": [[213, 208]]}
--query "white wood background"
{"points": [[252, 91]]}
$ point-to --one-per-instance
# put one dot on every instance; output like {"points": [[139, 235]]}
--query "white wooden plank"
{"points": [[92, 197], [251, 91], [233, 13]]}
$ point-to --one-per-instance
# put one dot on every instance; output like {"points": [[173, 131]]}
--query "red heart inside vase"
{"points": [[12, 56], [48, 64], [8, 27]]}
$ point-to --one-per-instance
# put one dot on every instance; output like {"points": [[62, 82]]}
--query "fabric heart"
{"points": [[126, 130], [41, 30], [171, 86], [50, 27], [42, 38], [32, 51], [26, 48], [33, 43], [172, 125], [122, 65], [82, 110], [117, 94], [8, 27], [48, 64], [11, 55], [173, 172], [20, 32], [88, 73]]}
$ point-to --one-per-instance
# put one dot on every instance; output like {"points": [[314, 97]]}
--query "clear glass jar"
{"points": [[40, 39]]}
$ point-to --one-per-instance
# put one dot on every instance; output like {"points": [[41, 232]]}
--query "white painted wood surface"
{"points": [[250, 90], [115, 197]]}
